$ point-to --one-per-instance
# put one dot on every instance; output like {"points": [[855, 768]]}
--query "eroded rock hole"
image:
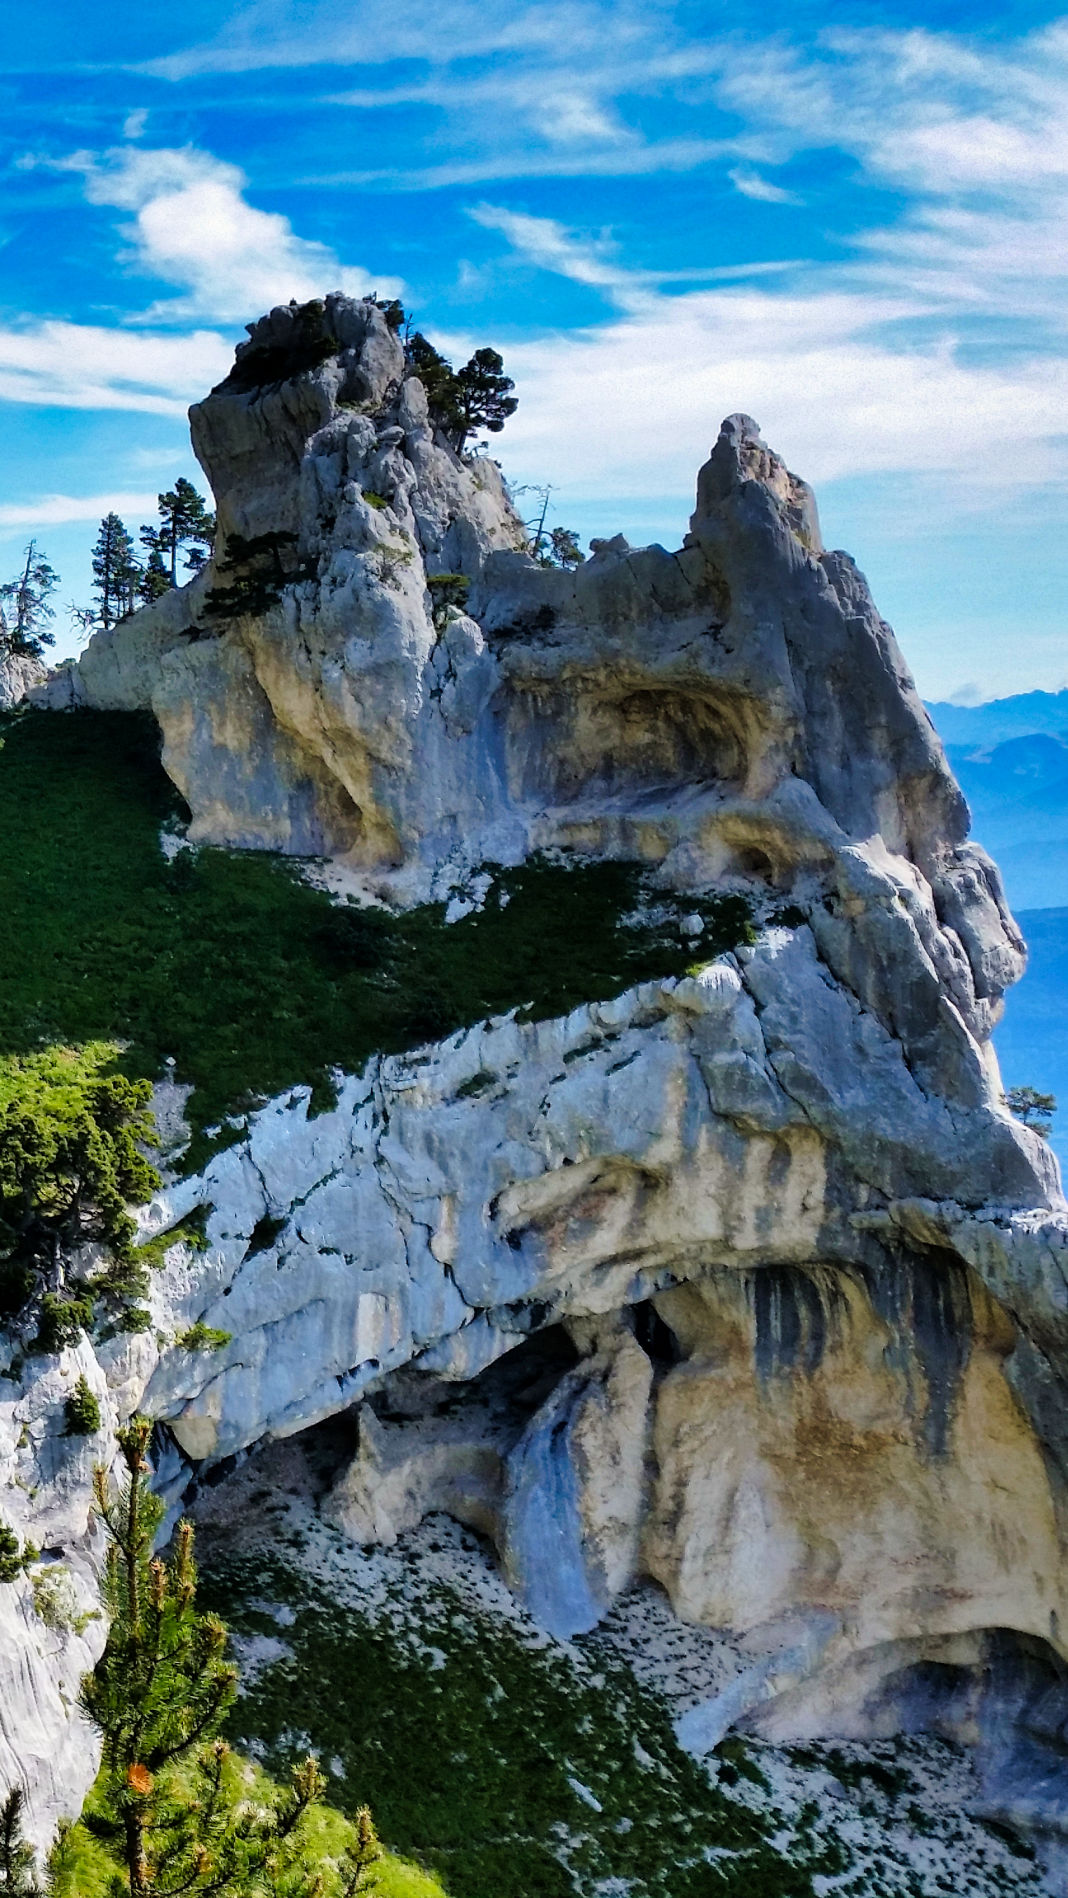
{"points": [[655, 1336]]}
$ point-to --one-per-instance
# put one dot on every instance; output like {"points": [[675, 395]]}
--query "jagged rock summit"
{"points": [[786, 1278]]}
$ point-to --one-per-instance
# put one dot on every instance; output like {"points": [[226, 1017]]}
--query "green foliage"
{"points": [[134, 1318], [82, 1411], [190, 1231], [185, 526], [154, 580], [18, 1877], [1036, 1110], [25, 610], [231, 964], [55, 1601], [202, 1337], [437, 377], [462, 401], [60, 1321], [470, 1765], [71, 1160], [375, 500], [393, 311], [172, 1805], [484, 396], [562, 549], [12, 1558], [83, 1866], [261, 567], [117, 572], [446, 589], [263, 365]]}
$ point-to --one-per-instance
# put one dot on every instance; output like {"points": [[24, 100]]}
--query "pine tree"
{"points": [[67, 1178], [184, 525], [483, 396], [25, 613], [81, 1410], [18, 1877], [152, 582], [175, 1811], [116, 571], [357, 1866], [461, 401], [438, 379], [564, 549]]}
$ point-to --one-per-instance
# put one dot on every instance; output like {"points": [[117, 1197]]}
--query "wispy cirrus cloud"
{"points": [[60, 510], [88, 366], [297, 34], [752, 185], [833, 373]]}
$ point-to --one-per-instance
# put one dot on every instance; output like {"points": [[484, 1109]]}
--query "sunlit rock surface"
{"points": [[745, 1283]]}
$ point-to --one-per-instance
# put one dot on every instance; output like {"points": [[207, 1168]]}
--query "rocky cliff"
{"points": [[787, 1280]]}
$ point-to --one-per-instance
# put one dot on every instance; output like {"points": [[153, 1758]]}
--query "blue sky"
{"points": [[851, 223]]}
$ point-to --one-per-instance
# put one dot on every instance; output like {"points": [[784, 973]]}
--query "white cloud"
{"points": [[974, 135], [289, 34], [56, 510], [81, 366], [194, 228], [752, 185], [546, 242], [638, 400], [551, 246]]}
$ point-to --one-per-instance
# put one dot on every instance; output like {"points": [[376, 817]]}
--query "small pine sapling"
{"points": [[358, 1864], [82, 1411], [11, 1559], [174, 1809]]}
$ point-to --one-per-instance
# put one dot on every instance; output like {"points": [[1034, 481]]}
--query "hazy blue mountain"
{"points": [[987, 725], [1032, 1041], [1010, 758], [1011, 761]]}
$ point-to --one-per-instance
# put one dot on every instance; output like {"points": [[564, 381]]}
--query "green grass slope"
{"points": [[231, 964]]}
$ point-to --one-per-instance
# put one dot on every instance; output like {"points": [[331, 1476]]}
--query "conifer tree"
{"points": [[358, 1863], [184, 525], [18, 1877], [25, 610], [461, 401], [67, 1178], [116, 571], [153, 581], [174, 1811], [484, 396]]}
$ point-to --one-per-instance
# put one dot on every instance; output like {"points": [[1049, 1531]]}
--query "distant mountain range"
{"points": [[1010, 758]]}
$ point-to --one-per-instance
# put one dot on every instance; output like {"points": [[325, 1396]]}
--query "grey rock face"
{"points": [[18, 676], [805, 1276]]}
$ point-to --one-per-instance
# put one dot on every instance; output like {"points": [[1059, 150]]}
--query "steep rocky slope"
{"points": [[787, 1279]]}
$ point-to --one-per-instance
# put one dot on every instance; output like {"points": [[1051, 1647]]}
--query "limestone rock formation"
{"points": [[747, 1281], [19, 675]]}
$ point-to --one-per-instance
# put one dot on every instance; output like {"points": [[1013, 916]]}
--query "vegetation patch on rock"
{"points": [[114, 959]]}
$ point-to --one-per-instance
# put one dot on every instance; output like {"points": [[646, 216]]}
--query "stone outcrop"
{"points": [[747, 1281], [19, 675]]}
